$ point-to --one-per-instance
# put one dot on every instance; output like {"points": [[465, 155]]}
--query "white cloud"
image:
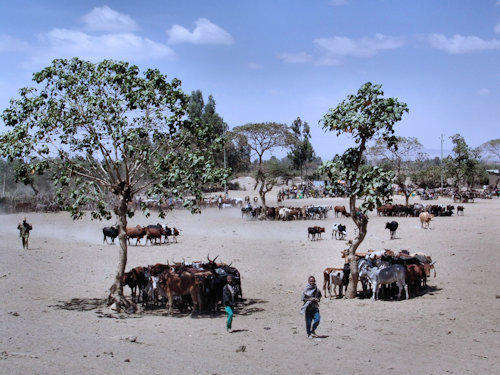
{"points": [[497, 28], [10, 44], [106, 19], [484, 92], [64, 43], [205, 32], [296, 58], [461, 44], [365, 47], [332, 50]]}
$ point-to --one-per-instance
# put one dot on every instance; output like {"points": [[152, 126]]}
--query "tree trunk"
{"points": [[407, 198], [361, 222], [262, 194], [116, 291]]}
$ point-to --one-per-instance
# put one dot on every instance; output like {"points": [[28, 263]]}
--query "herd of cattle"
{"points": [[151, 232], [286, 213], [198, 285], [195, 286], [408, 272], [417, 208], [425, 213]]}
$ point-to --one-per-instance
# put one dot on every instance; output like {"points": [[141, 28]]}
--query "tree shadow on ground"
{"points": [[245, 307]]}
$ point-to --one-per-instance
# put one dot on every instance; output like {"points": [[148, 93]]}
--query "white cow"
{"points": [[380, 276]]}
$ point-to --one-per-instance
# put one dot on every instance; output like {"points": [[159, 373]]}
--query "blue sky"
{"points": [[266, 60]]}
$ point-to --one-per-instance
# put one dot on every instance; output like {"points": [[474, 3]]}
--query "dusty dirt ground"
{"points": [[53, 319]]}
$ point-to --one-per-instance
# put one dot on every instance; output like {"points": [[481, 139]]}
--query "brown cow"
{"points": [[154, 232], [137, 232], [179, 285], [415, 277], [135, 278], [341, 210]]}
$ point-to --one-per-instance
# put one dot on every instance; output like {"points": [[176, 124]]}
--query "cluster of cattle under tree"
{"points": [[194, 286], [401, 271], [155, 232]]}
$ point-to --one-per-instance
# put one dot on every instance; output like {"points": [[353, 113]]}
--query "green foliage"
{"points": [[261, 138], [108, 131], [302, 150], [363, 116], [398, 159], [463, 166]]}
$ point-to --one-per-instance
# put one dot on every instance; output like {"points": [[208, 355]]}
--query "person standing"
{"points": [[311, 297], [219, 201], [24, 232], [229, 300]]}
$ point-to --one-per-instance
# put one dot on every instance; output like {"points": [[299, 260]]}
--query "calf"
{"points": [[392, 226], [425, 218], [327, 280], [311, 232], [171, 232], [339, 231], [111, 232], [319, 230], [337, 280]]}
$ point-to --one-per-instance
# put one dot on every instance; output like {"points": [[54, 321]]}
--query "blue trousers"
{"points": [[230, 313], [312, 316]]}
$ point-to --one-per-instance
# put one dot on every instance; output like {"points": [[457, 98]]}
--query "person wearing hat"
{"points": [[24, 232]]}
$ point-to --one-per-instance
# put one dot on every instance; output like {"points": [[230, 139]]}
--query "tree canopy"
{"points": [[363, 116], [108, 133], [302, 150], [399, 160], [463, 165], [262, 138]]}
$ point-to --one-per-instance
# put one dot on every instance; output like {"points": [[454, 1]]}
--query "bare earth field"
{"points": [[53, 320]]}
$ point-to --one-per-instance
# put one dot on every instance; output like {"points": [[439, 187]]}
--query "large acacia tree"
{"points": [[363, 116], [261, 138], [110, 132]]}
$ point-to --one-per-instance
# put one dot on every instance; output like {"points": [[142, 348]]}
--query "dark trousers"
{"points": [[312, 316]]}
